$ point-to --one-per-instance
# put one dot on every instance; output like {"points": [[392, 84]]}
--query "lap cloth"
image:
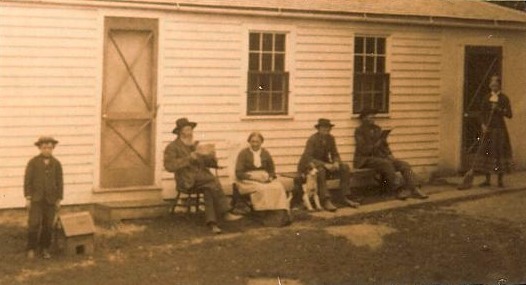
{"points": [[265, 195]]}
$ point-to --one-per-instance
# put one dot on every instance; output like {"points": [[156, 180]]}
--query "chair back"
{"points": [[233, 151]]}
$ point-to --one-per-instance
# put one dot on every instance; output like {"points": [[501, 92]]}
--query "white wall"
{"points": [[48, 81], [514, 48]]}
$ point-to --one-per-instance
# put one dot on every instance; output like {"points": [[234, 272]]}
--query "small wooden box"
{"points": [[75, 233]]}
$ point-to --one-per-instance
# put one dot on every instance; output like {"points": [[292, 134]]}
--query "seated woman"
{"points": [[256, 175]]}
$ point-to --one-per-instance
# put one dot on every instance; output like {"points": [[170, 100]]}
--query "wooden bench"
{"points": [[363, 177], [293, 182]]}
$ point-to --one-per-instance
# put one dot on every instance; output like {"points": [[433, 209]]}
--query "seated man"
{"points": [[372, 151], [321, 152], [189, 162]]}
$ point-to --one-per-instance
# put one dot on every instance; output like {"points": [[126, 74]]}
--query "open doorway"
{"points": [[480, 63]]}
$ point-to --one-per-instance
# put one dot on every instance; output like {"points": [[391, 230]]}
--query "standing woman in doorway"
{"points": [[495, 155]]}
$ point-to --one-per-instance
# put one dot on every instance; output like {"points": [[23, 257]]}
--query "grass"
{"points": [[428, 245]]}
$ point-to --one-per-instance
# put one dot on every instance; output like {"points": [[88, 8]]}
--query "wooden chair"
{"points": [[192, 197]]}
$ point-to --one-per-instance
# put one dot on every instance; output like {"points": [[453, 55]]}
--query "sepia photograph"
{"points": [[270, 142]]}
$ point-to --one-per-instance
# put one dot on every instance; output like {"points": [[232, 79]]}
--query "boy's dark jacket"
{"points": [[44, 182]]}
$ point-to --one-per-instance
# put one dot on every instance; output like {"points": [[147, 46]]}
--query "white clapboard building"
{"points": [[108, 79]]}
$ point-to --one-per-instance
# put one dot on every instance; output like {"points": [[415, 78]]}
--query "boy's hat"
{"points": [[46, 139]]}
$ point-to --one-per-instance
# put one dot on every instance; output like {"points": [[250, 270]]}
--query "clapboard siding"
{"points": [[415, 96], [202, 76], [48, 83]]}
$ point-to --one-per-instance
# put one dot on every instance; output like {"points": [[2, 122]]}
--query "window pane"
{"points": [[251, 102], [380, 45], [277, 101], [253, 82], [369, 45], [357, 85], [358, 45], [254, 41], [379, 83], [253, 61], [264, 82], [267, 42], [380, 64], [379, 103], [358, 64], [280, 42], [277, 82], [369, 64], [367, 102], [264, 101], [279, 62], [267, 62]]}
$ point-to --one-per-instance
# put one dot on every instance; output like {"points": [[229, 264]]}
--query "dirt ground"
{"points": [[468, 242]]}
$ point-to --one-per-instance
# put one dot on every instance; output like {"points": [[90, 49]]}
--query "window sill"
{"points": [[268, 118], [378, 116]]}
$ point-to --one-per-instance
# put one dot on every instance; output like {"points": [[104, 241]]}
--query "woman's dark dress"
{"points": [[494, 154]]}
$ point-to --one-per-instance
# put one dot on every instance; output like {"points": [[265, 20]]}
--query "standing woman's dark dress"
{"points": [[495, 154]]}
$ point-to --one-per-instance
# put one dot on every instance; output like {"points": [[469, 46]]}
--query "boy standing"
{"points": [[43, 190]]}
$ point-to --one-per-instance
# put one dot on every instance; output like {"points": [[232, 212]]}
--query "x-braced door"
{"points": [[129, 102]]}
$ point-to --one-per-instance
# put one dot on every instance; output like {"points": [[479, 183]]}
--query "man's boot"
{"points": [[401, 194], [327, 205], [417, 193]]}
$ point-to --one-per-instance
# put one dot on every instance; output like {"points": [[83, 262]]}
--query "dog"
{"points": [[310, 190]]}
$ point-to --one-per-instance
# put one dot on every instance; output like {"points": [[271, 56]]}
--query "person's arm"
{"points": [[363, 143], [241, 162], [335, 155], [28, 182], [309, 153], [505, 109], [59, 178], [174, 160], [485, 111], [270, 167]]}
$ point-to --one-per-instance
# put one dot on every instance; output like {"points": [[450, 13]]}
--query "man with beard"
{"points": [[189, 162]]}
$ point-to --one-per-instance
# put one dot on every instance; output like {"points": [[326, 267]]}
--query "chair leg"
{"points": [[189, 202], [174, 205], [197, 201]]}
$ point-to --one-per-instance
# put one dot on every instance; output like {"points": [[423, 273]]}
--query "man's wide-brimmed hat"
{"points": [[181, 123], [46, 139], [324, 123], [366, 112]]}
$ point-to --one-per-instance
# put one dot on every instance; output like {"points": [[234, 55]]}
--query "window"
{"points": [[268, 82], [371, 82]]}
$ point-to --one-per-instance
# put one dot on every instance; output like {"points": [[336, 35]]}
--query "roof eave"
{"points": [[289, 13]]}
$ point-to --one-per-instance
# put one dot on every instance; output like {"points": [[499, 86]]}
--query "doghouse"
{"points": [[75, 233]]}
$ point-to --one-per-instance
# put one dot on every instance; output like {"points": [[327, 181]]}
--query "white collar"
{"points": [[494, 96]]}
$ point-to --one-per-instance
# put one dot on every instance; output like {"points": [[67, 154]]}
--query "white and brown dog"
{"points": [[310, 190]]}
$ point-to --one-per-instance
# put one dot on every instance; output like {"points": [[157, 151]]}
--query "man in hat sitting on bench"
{"points": [[321, 152], [372, 151]]}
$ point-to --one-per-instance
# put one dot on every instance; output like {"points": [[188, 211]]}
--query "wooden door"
{"points": [[480, 64], [128, 102]]}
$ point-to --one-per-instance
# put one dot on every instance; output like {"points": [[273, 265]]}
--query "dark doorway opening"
{"points": [[480, 64]]}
